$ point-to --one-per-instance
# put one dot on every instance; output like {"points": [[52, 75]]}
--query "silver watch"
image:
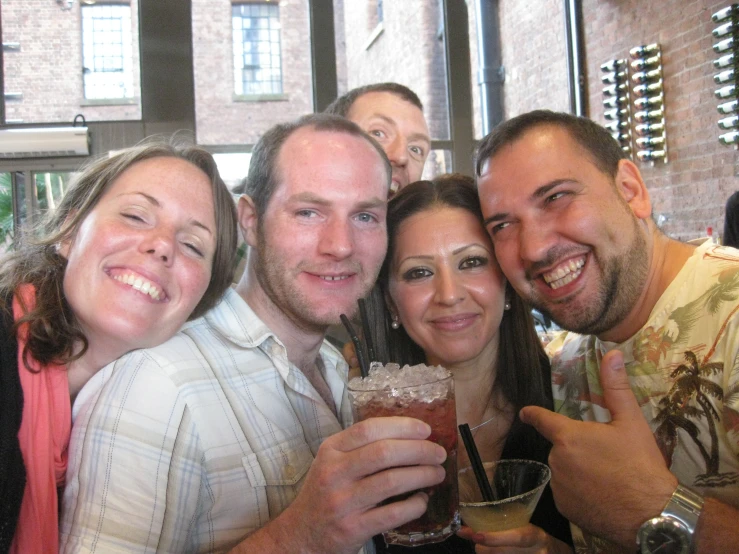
{"points": [[672, 531]]}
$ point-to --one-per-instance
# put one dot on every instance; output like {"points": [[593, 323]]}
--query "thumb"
{"points": [[617, 393]]}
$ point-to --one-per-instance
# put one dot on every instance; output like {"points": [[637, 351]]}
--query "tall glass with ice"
{"points": [[425, 393]]}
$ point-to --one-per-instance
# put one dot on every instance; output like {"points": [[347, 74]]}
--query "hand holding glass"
{"points": [[431, 400]]}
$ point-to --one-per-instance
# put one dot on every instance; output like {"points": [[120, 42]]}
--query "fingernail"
{"points": [[441, 453]]}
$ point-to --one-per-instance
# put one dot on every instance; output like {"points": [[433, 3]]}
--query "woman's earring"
{"points": [[507, 305], [395, 323]]}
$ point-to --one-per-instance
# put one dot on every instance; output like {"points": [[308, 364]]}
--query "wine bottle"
{"points": [[615, 126], [616, 113], [613, 77], [623, 137], [645, 102], [650, 155], [724, 29], [728, 107], [613, 90], [728, 122], [615, 101], [613, 65], [644, 76], [642, 90], [724, 76], [650, 141], [729, 138], [723, 13], [726, 92], [724, 61], [649, 128], [724, 45], [649, 115], [644, 50], [641, 63]]}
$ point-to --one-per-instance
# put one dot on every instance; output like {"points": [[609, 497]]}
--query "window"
{"points": [[7, 225], [256, 36], [106, 51]]}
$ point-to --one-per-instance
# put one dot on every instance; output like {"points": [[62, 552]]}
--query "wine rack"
{"points": [[648, 98], [616, 102], [726, 46]]}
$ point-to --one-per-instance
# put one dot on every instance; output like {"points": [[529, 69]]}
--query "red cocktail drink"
{"points": [[432, 402]]}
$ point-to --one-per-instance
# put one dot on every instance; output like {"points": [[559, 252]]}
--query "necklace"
{"points": [[483, 423]]}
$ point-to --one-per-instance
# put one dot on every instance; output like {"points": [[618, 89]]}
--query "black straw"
{"points": [[477, 467], [366, 327], [357, 345]]}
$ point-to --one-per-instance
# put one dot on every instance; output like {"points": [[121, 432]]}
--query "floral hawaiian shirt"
{"points": [[683, 366]]}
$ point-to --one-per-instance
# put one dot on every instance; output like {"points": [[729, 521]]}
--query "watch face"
{"points": [[665, 536]]}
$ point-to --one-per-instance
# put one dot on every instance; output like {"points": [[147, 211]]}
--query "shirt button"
{"points": [[289, 471]]}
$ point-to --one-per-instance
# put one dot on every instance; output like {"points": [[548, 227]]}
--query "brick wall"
{"points": [[47, 69], [407, 51], [689, 192], [220, 119], [534, 56]]}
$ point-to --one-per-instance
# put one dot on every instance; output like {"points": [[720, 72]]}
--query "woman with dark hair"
{"points": [[441, 299], [141, 242]]}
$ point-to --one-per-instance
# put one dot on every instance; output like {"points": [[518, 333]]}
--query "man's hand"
{"points": [[607, 478], [528, 539], [354, 471], [350, 355]]}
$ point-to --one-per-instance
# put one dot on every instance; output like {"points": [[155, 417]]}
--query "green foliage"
{"points": [[6, 209]]}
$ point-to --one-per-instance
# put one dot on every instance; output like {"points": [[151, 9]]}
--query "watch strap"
{"points": [[684, 505]]}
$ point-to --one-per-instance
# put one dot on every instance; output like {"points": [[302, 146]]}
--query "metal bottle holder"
{"points": [[649, 109], [727, 34], [616, 101]]}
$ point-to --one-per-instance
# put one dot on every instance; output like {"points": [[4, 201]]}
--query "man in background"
{"points": [[648, 374], [392, 114]]}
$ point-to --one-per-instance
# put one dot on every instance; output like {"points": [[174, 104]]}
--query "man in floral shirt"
{"points": [[646, 382]]}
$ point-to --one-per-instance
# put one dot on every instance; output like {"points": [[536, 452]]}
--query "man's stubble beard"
{"points": [[624, 277], [285, 295]]}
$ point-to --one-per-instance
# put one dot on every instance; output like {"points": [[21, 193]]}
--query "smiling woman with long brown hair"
{"points": [[442, 299], [143, 241]]}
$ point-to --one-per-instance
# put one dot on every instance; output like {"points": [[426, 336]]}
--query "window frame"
{"points": [[92, 53], [261, 89]]}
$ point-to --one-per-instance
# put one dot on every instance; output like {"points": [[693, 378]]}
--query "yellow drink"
{"points": [[496, 517]]}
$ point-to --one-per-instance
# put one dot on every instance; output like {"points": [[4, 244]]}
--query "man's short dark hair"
{"points": [[596, 140], [344, 103], [263, 176]]}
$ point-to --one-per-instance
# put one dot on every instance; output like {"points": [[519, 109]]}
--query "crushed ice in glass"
{"points": [[392, 376]]}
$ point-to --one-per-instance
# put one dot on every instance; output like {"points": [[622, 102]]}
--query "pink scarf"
{"points": [[44, 438]]}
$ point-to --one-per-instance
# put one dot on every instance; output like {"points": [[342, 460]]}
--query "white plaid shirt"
{"points": [[194, 444]]}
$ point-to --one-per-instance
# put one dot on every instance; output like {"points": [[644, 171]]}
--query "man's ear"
{"points": [[631, 187], [248, 219]]}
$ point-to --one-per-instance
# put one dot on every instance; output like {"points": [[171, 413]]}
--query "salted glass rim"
{"points": [[510, 498]]}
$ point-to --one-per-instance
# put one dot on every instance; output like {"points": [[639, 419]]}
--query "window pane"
{"points": [[60, 62], [233, 167], [6, 212], [50, 188], [252, 68], [438, 162]]}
